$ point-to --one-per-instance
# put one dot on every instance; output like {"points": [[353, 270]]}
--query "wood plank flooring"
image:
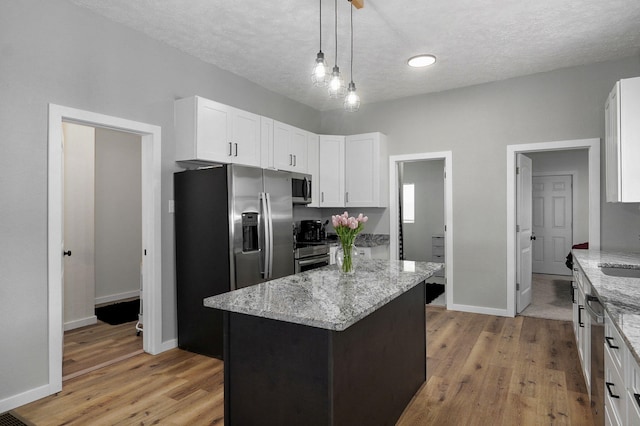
{"points": [[482, 370]]}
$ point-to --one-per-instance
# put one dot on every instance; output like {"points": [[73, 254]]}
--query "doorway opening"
{"points": [[150, 167], [421, 216], [552, 159], [102, 247]]}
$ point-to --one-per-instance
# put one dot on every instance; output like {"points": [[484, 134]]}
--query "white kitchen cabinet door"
{"points": [[266, 143], [622, 142], [245, 137], [366, 170], [289, 148], [331, 171], [203, 130], [210, 132], [313, 168]]}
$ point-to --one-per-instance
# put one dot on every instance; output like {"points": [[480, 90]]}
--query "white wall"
{"points": [[428, 177], [477, 123], [55, 52], [577, 161], [118, 198]]}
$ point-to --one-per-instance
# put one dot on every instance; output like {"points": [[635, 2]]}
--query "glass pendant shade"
{"points": [[336, 84], [352, 100], [320, 73]]}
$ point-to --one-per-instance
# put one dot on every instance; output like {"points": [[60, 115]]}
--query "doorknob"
{"points": [[533, 237], [66, 253]]}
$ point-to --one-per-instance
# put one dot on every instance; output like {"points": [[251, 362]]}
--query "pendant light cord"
{"points": [[336, 30], [351, 4], [320, 1]]}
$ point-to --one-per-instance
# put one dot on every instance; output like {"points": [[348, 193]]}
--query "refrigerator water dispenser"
{"points": [[250, 232]]}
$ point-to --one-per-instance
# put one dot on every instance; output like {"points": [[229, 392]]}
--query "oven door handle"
{"points": [[307, 262]]}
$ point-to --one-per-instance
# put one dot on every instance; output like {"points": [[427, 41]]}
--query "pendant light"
{"points": [[320, 73], [336, 84], [352, 100]]}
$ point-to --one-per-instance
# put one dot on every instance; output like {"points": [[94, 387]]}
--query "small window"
{"points": [[408, 203]]}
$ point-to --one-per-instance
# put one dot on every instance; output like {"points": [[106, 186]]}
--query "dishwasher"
{"points": [[595, 310]]}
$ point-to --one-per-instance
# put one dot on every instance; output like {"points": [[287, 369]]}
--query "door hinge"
{"points": [[517, 286], [517, 170], [517, 228]]}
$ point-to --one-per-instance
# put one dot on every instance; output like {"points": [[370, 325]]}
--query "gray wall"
{"points": [[55, 52], [477, 123], [575, 160], [428, 177], [118, 197]]}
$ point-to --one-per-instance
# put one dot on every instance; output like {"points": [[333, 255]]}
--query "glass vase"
{"points": [[345, 256]]}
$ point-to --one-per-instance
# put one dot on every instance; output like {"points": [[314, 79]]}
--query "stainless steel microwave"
{"points": [[301, 188]]}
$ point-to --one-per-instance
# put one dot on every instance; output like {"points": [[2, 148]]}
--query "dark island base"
{"points": [[279, 373]]}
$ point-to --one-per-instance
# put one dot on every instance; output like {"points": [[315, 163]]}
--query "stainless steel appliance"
{"points": [[309, 256], [301, 188], [233, 229], [311, 231], [595, 310]]}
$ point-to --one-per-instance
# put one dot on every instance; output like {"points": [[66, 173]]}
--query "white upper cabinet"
{"points": [[366, 170], [289, 148], [354, 171], [331, 182], [313, 168], [207, 131], [622, 141]]}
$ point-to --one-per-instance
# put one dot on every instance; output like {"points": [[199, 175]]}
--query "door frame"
{"points": [[593, 147], [394, 161], [151, 228]]}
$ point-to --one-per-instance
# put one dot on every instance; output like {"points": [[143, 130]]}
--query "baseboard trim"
{"points": [[82, 322], [117, 297], [26, 397], [168, 345], [479, 310]]}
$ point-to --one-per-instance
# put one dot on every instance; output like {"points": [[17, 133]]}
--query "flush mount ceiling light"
{"points": [[421, 61]]}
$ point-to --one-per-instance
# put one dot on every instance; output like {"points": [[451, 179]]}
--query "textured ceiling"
{"points": [[274, 43]]}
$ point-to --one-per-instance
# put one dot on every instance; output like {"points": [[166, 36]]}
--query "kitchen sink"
{"points": [[623, 272]]}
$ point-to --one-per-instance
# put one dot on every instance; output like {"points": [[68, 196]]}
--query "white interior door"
{"points": [[524, 232], [552, 223], [79, 226]]}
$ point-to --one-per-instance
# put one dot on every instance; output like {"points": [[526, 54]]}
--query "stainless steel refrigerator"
{"points": [[233, 228]]}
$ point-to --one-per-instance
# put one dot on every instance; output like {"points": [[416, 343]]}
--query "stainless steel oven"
{"points": [[309, 256]]}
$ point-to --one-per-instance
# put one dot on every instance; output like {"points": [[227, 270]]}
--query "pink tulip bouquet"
{"points": [[347, 228]]}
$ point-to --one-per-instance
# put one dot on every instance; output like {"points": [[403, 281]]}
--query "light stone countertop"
{"points": [[620, 296], [324, 297]]}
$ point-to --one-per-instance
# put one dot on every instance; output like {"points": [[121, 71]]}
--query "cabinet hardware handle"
{"points": [[230, 149], [611, 394], [580, 323], [290, 160], [236, 145], [322, 196], [575, 269], [637, 398], [294, 161], [573, 294], [67, 253], [612, 346], [346, 195]]}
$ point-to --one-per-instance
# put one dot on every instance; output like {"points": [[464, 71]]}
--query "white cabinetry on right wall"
{"points": [[354, 171], [622, 141]]}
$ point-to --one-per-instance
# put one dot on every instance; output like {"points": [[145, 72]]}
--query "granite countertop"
{"points": [[324, 297], [620, 296], [363, 240]]}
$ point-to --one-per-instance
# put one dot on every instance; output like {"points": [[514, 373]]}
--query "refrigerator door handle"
{"points": [[265, 232], [269, 240]]}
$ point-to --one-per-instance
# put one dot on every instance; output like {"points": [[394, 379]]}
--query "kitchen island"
{"points": [[324, 348]]}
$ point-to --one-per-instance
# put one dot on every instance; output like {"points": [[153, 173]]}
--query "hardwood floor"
{"points": [[96, 346], [481, 370]]}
